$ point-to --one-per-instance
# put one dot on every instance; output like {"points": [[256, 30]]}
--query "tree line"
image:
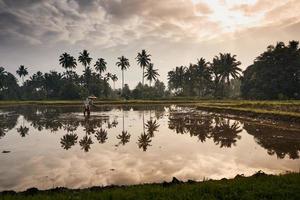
{"points": [[275, 74]]}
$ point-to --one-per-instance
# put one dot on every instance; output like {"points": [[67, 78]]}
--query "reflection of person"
{"points": [[87, 106]]}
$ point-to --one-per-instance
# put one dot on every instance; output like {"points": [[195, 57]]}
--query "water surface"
{"points": [[47, 147]]}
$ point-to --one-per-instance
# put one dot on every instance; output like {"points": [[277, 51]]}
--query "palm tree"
{"points": [[67, 61], [143, 59], [22, 72], [84, 58], [114, 78], [100, 66], [227, 67], [123, 63], [151, 73], [203, 75]]}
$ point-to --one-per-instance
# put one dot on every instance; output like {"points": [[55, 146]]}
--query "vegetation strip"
{"points": [[252, 112], [258, 186]]}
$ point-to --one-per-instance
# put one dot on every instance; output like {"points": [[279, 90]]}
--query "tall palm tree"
{"points": [[203, 75], [68, 140], [123, 63], [22, 72], [228, 67], [223, 67], [143, 59], [100, 66], [67, 61], [151, 73], [114, 78], [84, 58]]}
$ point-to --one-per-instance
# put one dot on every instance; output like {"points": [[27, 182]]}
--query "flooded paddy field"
{"points": [[52, 146]]}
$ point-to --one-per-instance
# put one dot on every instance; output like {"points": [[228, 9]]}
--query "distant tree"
{"points": [[9, 88], [143, 59], [275, 74], [100, 66], [176, 78], [151, 73], [114, 78], [22, 72], [123, 63], [84, 58]]}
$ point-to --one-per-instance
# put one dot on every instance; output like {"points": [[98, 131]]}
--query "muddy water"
{"points": [[46, 147]]}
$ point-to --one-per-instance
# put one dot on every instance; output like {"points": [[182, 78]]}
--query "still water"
{"points": [[47, 147]]}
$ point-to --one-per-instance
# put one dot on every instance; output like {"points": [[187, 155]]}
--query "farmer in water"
{"points": [[87, 107]]}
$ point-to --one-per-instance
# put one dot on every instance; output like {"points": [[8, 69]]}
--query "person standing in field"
{"points": [[87, 107]]}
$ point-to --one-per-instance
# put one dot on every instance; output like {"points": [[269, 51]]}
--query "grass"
{"points": [[258, 186]]}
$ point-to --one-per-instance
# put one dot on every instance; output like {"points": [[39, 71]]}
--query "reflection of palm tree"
{"points": [[68, 140], [152, 126], [23, 130], [144, 141], [101, 135], [226, 134], [85, 143], [2, 132], [124, 137]]}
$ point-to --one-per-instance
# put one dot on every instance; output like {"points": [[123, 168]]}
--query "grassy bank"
{"points": [[258, 186]]}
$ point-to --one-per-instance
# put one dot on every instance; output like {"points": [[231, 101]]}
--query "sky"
{"points": [[35, 33]]}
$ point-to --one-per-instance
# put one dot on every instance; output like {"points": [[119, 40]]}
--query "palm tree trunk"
{"points": [[122, 80], [114, 86], [143, 75]]}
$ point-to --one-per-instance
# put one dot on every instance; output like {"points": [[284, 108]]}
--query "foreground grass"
{"points": [[259, 186]]}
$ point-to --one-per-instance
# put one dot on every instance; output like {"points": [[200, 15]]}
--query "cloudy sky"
{"points": [[176, 32]]}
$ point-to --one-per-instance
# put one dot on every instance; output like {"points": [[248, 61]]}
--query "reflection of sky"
{"points": [[38, 160]]}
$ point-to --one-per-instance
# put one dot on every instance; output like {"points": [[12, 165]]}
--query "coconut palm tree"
{"points": [[223, 67], [123, 63], [22, 72], [143, 59], [151, 73], [226, 66], [100, 66], [68, 62], [203, 76], [84, 58], [114, 78]]}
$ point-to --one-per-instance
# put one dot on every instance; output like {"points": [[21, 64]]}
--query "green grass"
{"points": [[256, 187]]}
